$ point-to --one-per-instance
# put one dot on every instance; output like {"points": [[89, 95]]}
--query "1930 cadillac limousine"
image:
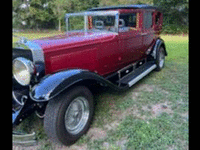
{"points": [[113, 47]]}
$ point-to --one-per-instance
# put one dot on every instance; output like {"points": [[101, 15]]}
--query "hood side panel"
{"points": [[75, 51]]}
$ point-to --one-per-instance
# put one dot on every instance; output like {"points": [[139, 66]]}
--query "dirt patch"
{"points": [[145, 87], [111, 126], [96, 134], [72, 147], [121, 143], [42, 145], [118, 144], [149, 88], [75, 147], [135, 95], [122, 114], [134, 111], [158, 109]]}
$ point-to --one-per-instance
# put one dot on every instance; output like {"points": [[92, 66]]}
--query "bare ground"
{"points": [[96, 133]]}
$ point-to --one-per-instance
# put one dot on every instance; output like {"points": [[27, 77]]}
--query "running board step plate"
{"points": [[136, 79], [137, 74]]}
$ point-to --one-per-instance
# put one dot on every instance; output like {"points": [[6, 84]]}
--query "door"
{"points": [[107, 55], [130, 40], [148, 34]]}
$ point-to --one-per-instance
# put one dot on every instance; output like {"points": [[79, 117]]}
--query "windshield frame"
{"points": [[93, 13]]}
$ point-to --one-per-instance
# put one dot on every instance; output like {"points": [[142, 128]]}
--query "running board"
{"points": [[136, 79], [137, 74]]}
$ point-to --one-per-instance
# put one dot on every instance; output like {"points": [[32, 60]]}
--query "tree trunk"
{"points": [[59, 25]]}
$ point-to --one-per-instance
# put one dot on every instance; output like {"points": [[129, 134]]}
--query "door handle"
{"points": [[144, 33]]}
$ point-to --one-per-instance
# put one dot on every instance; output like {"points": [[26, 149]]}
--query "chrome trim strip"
{"points": [[24, 139], [22, 99], [93, 13], [21, 38], [132, 82], [144, 34], [37, 52]]}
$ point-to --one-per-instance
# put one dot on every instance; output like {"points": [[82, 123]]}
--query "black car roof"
{"points": [[139, 6]]}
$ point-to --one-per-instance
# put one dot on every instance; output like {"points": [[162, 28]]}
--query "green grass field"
{"points": [[153, 114]]}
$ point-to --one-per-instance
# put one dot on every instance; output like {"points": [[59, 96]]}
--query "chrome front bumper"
{"points": [[24, 139]]}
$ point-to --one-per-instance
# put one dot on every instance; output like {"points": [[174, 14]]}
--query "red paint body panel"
{"points": [[103, 53], [85, 51]]}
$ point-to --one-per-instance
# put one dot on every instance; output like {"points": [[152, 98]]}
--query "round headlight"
{"points": [[22, 70]]}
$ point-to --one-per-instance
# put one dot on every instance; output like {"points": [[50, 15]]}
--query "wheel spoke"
{"points": [[77, 115], [161, 58]]}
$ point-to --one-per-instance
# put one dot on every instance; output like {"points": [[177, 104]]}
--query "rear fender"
{"points": [[52, 85], [158, 44]]}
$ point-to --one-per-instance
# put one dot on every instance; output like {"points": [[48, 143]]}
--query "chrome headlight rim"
{"points": [[23, 70]]}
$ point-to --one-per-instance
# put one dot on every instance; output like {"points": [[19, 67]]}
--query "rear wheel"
{"points": [[68, 116], [160, 58]]}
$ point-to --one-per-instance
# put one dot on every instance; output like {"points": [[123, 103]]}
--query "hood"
{"points": [[72, 39]]}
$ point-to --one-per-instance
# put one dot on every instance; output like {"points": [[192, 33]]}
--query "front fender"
{"points": [[52, 85]]}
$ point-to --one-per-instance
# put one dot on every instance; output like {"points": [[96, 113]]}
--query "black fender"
{"points": [[159, 42], [53, 84]]}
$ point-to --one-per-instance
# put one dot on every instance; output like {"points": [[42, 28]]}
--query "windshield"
{"points": [[92, 22]]}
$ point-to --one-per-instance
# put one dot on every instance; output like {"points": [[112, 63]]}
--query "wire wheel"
{"points": [[77, 115], [161, 58]]}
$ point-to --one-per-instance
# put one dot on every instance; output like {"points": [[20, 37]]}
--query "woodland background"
{"points": [[49, 14]]}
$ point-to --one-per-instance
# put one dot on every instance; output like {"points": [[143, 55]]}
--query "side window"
{"points": [[127, 21], [132, 20], [157, 18], [147, 20]]}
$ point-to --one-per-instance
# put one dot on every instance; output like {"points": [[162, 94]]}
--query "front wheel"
{"points": [[68, 116]]}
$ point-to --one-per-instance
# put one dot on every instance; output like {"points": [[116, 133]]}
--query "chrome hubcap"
{"points": [[77, 115], [162, 58]]}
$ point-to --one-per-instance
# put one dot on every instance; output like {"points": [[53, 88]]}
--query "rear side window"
{"points": [[157, 18], [128, 19], [147, 20]]}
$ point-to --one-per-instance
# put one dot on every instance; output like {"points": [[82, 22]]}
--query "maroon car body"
{"points": [[95, 51], [55, 76]]}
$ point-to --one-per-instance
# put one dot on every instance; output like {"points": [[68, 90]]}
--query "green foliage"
{"points": [[76, 23], [59, 8], [48, 13], [175, 15], [174, 29], [45, 13], [123, 2]]}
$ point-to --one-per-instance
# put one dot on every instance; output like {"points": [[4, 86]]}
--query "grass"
{"points": [[153, 114], [142, 129]]}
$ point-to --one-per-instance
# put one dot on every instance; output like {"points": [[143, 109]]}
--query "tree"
{"points": [[31, 14], [40, 12], [59, 8], [174, 10], [175, 15], [21, 13], [123, 2]]}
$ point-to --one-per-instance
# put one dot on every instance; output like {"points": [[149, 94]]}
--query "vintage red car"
{"points": [[113, 47]]}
